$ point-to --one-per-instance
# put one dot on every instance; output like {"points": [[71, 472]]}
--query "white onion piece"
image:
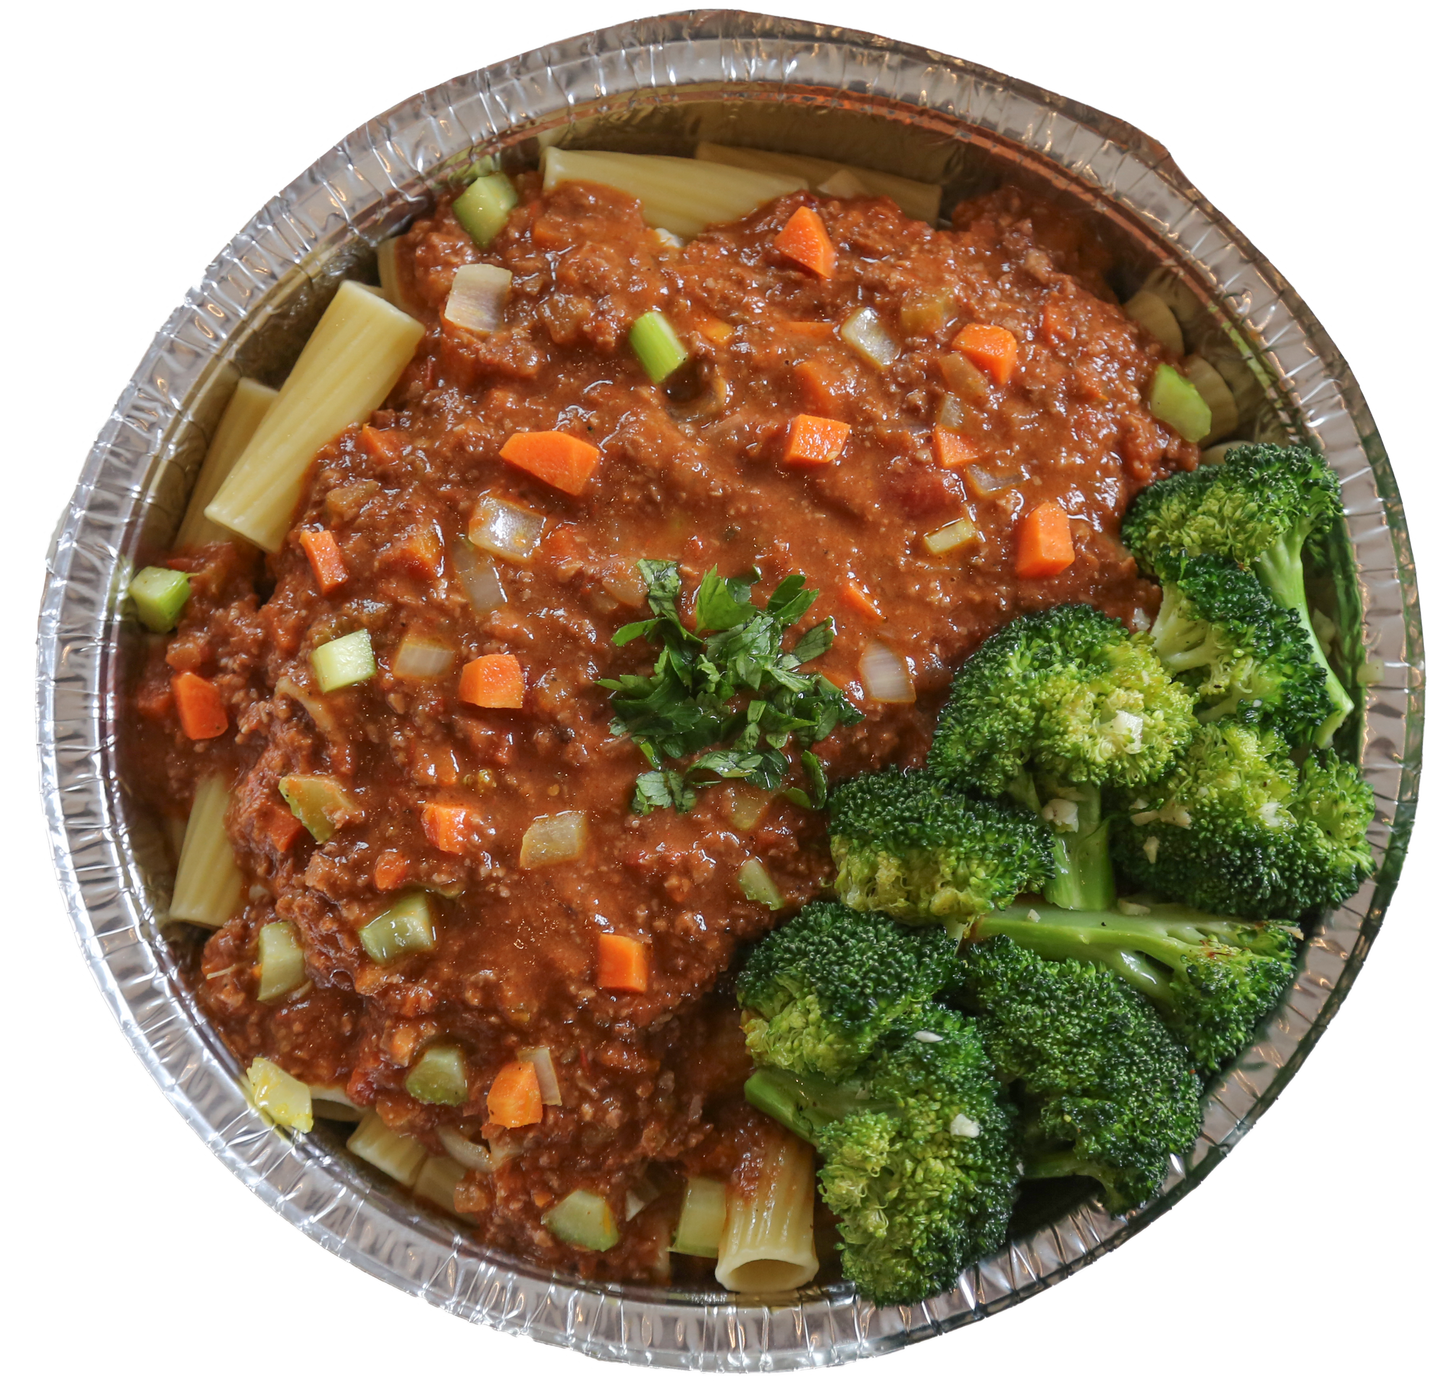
{"points": [[505, 530], [422, 659], [554, 839], [479, 579], [950, 413], [640, 1195], [545, 1075], [983, 483], [865, 333], [477, 297], [625, 585], [315, 708], [842, 184], [471, 1156], [886, 676]]}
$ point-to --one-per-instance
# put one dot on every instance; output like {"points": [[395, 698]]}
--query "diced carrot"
{"points": [[198, 703], [280, 827], [493, 682], [858, 598], [953, 449], [810, 330], [381, 445], [514, 1097], [1043, 545], [716, 331], [326, 559], [391, 869], [558, 458], [991, 348], [1056, 322], [445, 827], [814, 440], [622, 964], [822, 383], [806, 241], [417, 554]]}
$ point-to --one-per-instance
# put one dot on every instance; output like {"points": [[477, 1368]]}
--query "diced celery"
{"points": [[758, 885], [437, 1181], [584, 1220], [319, 802], [159, 596], [926, 312], [952, 535], [405, 927], [484, 207], [748, 804], [344, 661], [439, 1077], [657, 347], [282, 961], [1176, 402], [279, 1095], [400, 1157], [702, 1219]]}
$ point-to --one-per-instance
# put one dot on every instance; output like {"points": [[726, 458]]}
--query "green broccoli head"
{"points": [[1235, 828], [906, 845], [1103, 1089], [819, 992], [1221, 634], [917, 1159], [1211, 978], [1067, 692], [1260, 507], [1261, 497]]}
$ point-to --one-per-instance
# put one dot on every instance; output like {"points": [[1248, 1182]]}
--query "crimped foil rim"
{"points": [[324, 1193]]}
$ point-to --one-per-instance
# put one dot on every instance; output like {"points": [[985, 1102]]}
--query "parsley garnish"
{"points": [[727, 692]]}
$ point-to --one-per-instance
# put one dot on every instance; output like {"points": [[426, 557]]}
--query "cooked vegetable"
{"points": [[326, 560], [1212, 978], [343, 661], [320, 803], [495, 681], [197, 702], [726, 687], [1102, 1087], [1043, 544], [1235, 828], [584, 1220], [419, 658], [622, 963], [1177, 403], [990, 348], [905, 844], [953, 450], [280, 1096], [514, 1098], [438, 1076], [476, 301], [484, 207], [885, 674], [505, 530], [814, 440], [819, 994], [865, 333], [561, 460], [1260, 507], [545, 1076], [1211, 386], [554, 839], [659, 350], [702, 1218], [479, 578], [399, 1156], [758, 886], [282, 961], [958, 533], [918, 1157], [805, 241], [159, 596], [406, 926]]}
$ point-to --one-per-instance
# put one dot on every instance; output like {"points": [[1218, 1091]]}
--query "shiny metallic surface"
{"points": [[659, 85]]}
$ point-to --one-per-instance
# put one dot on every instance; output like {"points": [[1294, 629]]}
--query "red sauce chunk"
{"points": [[602, 935]]}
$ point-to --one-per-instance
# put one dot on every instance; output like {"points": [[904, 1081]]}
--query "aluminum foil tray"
{"points": [[659, 85]]}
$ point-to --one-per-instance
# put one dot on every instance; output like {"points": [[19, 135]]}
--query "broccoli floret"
{"points": [[1242, 654], [1211, 978], [1259, 507], [917, 1158], [905, 845], [818, 993], [1236, 828], [1103, 1089], [1068, 692]]}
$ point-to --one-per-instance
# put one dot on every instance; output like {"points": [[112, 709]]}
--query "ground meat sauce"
{"points": [[689, 472]]}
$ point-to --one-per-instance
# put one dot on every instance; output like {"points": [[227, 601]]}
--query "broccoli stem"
{"points": [[1054, 1165], [1282, 573], [1084, 878], [804, 1104]]}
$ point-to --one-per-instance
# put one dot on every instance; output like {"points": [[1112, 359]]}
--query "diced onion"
{"points": [[950, 413], [554, 839], [1151, 312], [865, 333], [421, 659], [984, 483], [625, 585], [457, 1147], [545, 1075], [952, 535], [477, 297], [479, 579], [886, 676], [640, 1196], [505, 530], [1224, 414]]}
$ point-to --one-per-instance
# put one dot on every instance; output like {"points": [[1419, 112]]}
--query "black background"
{"points": [[1286, 1256]]}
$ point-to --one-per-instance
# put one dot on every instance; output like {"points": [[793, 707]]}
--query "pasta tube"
{"points": [[675, 194], [351, 361], [208, 883], [238, 423], [769, 1239]]}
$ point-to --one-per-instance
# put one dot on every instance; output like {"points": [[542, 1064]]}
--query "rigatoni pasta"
{"points": [[769, 1239], [239, 422], [208, 885]]}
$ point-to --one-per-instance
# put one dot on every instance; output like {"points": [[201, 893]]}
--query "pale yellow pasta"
{"points": [[238, 423], [351, 361], [769, 1239], [1224, 414], [208, 884]]}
